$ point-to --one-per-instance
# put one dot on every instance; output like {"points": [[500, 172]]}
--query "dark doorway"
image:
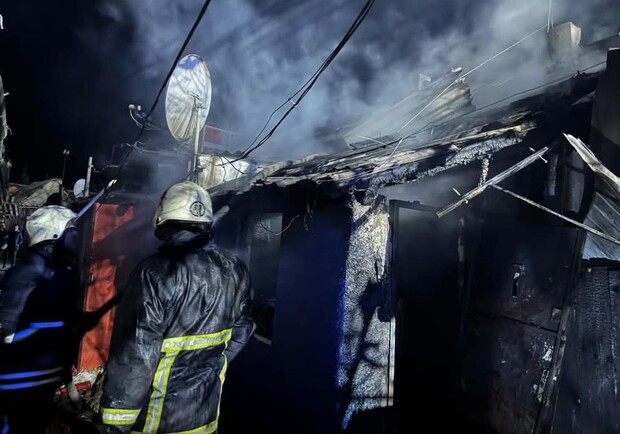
{"points": [[425, 268], [519, 278]]}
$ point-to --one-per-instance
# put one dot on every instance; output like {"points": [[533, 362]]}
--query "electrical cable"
{"points": [[523, 92], [463, 76], [188, 38], [430, 125], [303, 91]]}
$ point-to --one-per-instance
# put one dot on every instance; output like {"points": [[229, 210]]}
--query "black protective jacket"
{"points": [[38, 317], [185, 315]]}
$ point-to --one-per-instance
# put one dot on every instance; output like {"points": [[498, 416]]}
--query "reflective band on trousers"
{"points": [[171, 347], [34, 378], [117, 416]]}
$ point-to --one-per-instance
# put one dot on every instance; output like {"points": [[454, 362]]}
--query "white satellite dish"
{"points": [[188, 98], [79, 189]]}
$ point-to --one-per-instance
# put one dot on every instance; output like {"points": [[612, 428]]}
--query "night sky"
{"points": [[71, 70]]}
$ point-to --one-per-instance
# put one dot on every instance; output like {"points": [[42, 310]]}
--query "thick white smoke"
{"points": [[261, 52]]}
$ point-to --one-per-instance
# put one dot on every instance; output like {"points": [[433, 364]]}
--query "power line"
{"points": [[165, 82], [523, 92], [303, 91], [252, 147], [502, 52], [465, 75], [431, 126]]}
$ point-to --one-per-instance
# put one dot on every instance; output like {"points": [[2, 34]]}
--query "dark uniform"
{"points": [[36, 352], [184, 317]]}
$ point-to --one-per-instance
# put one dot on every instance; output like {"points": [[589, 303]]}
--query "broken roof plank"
{"points": [[377, 162], [408, 166], [442, 99], [595, 164], [463, 136], [557, 214], [496, 179]]}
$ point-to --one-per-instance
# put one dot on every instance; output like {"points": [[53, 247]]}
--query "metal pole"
{"points": [[65, 152], [88, 172], [196, 146], [197, 137]]}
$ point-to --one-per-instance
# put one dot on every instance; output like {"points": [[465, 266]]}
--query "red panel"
{"points": [[122, 236]]}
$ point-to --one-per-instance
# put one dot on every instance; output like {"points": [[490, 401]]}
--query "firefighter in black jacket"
{"points": [[38, 302], [184, 317]]}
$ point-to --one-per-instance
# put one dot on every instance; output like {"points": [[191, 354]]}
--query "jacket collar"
{"points": [[186, 239]]}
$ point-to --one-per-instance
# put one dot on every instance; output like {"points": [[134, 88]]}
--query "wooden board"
{"points": [[588, 387]]}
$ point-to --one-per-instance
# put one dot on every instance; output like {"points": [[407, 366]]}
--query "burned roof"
{"points": [[441, 100], [432, 148]]}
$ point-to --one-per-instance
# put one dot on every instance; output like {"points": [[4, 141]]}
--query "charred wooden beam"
{"points": [[491, 182]]}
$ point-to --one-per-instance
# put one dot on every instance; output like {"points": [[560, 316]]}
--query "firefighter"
{"points": [[38, 307], [183, 318]]}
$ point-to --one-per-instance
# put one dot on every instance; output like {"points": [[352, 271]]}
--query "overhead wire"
{"points": [[514, 95], [461, 77], [430, 125], [265, 228], [271, 117], [149, 126], [309, 212], [188, 38], [309, 84], [146, 125], [289, 100]]}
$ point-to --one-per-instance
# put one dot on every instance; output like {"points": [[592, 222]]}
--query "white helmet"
{"points": [[48, 223], [184, 202]]}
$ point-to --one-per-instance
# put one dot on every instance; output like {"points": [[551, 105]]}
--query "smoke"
{"points": [[97, 57], [260, 53]]}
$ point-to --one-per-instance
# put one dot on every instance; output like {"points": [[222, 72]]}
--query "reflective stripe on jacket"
{"points": [[184, 316], [36, 313]]}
